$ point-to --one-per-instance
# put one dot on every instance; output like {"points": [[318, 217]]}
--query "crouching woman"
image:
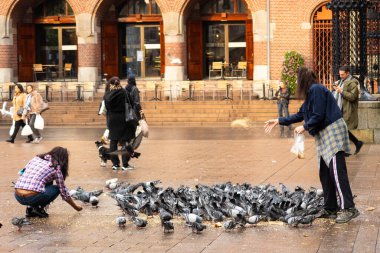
{"points": [[324, 120], [35, 188]]}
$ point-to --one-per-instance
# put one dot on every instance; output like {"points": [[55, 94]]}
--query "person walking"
{"points": [[18, 116], [283, 96], [324, 120], [119, 129], [346, 93], [35, 188], [33, 106]]}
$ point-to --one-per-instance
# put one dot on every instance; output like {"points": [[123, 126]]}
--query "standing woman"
{"points": [[18, 102], [33, 106], [119, 130], [324, 120], [283, 96]]}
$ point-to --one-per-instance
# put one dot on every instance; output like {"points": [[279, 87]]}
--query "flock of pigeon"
{"points": [[235, 205]]}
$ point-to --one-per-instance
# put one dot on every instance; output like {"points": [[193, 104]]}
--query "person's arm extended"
{"points": [[71, 202], [294, 118]]}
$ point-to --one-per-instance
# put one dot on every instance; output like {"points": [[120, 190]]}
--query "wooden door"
{"points": [[194, 50], [249, 38], [110, 49], [162, 50], [26, 48]]}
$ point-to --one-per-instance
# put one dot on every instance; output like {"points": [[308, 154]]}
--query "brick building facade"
{"points": [[290, 29]]}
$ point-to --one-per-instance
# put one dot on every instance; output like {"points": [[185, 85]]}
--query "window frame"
{"points": [[56, 20]]}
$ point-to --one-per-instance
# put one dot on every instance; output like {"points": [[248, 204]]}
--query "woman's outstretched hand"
{"points": [[299, 130], [270, 124]]}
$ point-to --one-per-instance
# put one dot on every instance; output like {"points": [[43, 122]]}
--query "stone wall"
{"points": [[369, 122]]}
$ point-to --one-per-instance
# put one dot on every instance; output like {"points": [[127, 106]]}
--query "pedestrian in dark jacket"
{"points": [[119, 129], [324, 120], [283, 96], [135, 95]]}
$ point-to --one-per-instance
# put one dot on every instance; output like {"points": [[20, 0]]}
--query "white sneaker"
{"points": [[129, 167], [115, 167], [35, 141], [102, 163]]}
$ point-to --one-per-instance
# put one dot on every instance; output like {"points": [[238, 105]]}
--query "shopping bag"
{"points": [[12, 128], [144, 127], [26, 130], [298, 147], [39, 122]]}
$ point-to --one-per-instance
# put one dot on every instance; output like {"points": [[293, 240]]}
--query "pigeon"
{"points": [[256, 219], [197, 227], [140, 223], [229, 225], [168, 226], [191, 218], [94, 201], [20, 222], [121, 221]]}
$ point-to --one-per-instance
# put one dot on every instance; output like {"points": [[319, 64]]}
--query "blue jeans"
{"points": [[283, 107], [42, 199]]}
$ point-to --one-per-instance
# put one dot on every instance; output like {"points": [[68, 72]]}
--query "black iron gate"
{"points": [[356, 39]]}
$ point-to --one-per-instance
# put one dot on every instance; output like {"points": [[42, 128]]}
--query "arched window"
{"points": [[222, 31], [322, 45], [58, 8], [141, 39], [139, 7], [224, 6], [56, 40]]}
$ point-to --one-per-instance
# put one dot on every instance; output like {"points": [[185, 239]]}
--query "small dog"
{"points": [[104, 152]]}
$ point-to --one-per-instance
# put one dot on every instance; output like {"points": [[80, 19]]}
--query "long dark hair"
{"points": [[305, 78], [61, 156], [20, 87]]}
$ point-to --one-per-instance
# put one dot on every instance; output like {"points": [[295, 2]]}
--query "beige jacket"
{"points": [[18, 102], [36, 103]]}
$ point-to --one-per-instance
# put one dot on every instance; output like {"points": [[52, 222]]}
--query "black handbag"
{"points": [[20, 111], [130, 114]]}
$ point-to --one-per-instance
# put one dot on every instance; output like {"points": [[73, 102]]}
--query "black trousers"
{"points": [[115, 158], [334, 180], [18, 124], [353, 138]]}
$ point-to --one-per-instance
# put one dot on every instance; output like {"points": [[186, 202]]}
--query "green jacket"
{"points": [[350, 102]]}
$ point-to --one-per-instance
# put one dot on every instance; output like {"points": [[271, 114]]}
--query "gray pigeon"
{"points": [[140, 223], [168, 226], [229, 225], [197, 227], [94, 201], [20, 222], [191, 218], [256, 219], [121, 221]]}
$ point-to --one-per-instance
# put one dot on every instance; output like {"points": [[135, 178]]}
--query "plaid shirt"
{"points": [[331, 140], [39, 172]]}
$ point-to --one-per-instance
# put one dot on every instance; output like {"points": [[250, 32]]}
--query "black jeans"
{"points": [[115, 158], [334, 179], [18, 124]]}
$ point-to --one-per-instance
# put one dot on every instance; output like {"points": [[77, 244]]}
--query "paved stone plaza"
{"points": [[187, 156]]}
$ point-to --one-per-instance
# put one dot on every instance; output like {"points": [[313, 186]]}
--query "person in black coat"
{"points": [[119, 129], [135, 95]]}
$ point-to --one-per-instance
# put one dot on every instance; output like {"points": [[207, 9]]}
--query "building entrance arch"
{"points": [[219, 33]]}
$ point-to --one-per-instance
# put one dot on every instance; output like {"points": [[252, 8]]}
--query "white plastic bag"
{"points": [[12, 128], [144, 127], [39, 122], [299, 146], [26, 130], [102, 108]]}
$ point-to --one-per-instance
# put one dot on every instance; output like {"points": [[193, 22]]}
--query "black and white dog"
{"points": [[105, 154]]}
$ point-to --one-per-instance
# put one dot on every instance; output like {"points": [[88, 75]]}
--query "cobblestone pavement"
{"points": [[186, 156]]}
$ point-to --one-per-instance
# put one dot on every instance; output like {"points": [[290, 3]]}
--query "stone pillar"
{"points": [[88, 49], [8, 58], [175, 47]]}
